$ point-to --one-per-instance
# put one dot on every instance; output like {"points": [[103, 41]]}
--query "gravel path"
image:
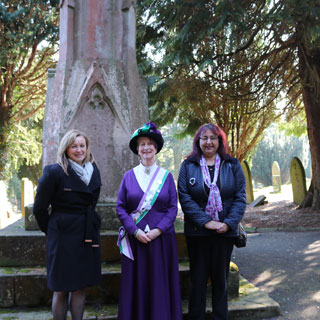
{"points": [[285, 265]]}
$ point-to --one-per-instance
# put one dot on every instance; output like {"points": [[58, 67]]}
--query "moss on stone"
{"points": [[8, 271], [233, 267]]}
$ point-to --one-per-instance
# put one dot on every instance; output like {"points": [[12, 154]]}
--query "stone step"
{"points": [[107, 212], [251, 304], [27, 287], [19, 247]]}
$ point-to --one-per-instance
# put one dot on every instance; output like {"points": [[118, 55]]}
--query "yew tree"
{"points": [[29, 34], [231, 62]]}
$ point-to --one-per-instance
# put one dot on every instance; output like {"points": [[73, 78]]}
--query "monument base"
{"points": [[107, 211]]}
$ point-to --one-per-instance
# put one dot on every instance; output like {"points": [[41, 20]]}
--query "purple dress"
{"points": [[150, 287]]}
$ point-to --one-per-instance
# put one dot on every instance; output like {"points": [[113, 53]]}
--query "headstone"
{"points": [[97, 89], [27, 194], [249, 186], [276, 177], [257, 202], [4, 205], [298, 180]]}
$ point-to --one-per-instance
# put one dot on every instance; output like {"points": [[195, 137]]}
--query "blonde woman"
{"points": [[71, 188]]}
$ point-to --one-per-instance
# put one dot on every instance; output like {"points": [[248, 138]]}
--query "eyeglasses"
{"points": [[205, 138]]}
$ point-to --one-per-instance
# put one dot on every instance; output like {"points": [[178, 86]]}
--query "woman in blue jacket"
{"points": [[212, 194], [71, 188]]}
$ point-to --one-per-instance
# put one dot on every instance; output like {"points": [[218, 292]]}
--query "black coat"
{"points": [[193, 197], [72, 263]]}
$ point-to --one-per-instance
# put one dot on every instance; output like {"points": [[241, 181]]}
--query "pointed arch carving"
{"points": [[97, 98]]}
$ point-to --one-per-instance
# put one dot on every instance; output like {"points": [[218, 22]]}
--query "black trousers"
{"points": [[209, 256]]}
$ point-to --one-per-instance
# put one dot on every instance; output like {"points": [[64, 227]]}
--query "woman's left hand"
{"points": [[224, 228], [154, 233]]}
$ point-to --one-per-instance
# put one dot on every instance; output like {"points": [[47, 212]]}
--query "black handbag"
{"points": [[241, 240]]}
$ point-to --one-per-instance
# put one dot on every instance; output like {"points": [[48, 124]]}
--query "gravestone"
{"points": [[4, 205], [276, 177], [97, 89], [247, 174], [258, 202], [298, 180], [27, 194]]}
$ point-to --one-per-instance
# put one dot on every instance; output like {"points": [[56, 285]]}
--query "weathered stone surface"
{"points": [[19, 247], [109, 217], [233, 283], [107, 211], [31, 289], [182, 246], [249, 186], [22, 250], [276, 177], [252, 304], [298, 180], [27, 287], [6, 290], [30, 222], [97, 87], [109, 289]]}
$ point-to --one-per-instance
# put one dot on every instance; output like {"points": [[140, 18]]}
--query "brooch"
{"points": [[192, 181]]}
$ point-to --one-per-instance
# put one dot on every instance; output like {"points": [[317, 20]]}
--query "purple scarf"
{"points": [[214, 204]]}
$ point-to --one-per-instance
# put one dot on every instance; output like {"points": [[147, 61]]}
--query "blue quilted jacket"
{"points": [[193, 197]]}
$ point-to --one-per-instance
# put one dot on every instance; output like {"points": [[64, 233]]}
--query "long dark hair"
{"points": [[196, 152]]}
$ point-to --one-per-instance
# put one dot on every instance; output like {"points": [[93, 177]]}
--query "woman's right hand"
{"points": [[142, 237], [213, 225]]}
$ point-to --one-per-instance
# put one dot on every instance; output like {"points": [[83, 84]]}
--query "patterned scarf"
{"points": [[214, 204], [84, 172]]}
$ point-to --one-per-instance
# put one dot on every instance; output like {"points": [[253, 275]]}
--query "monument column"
{"points": [[97, 89]]}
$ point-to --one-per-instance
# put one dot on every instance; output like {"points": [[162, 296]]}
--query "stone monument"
{"points": [[97, 89], [276, 177], [298, 180]]}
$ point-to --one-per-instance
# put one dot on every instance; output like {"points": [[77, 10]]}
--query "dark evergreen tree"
{"points": [[29, 33], [232, 61]]}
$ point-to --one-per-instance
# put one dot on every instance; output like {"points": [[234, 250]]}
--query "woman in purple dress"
{"points": [[147, 209]]}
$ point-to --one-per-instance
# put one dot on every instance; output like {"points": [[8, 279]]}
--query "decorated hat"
{"points": [[147, 130]]}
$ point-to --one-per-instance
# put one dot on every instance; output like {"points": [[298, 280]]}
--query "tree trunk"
{"points": [[310, 77], [4, 129]]}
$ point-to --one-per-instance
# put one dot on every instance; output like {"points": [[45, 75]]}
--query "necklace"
{"points": [[147, 170]]}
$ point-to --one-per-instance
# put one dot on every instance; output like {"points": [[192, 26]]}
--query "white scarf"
{"points": [[142, 177], [84, 172]]}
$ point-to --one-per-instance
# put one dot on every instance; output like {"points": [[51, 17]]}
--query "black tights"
{"points": [[60, 304]]}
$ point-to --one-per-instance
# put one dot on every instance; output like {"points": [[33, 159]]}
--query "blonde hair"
{"points": [[66, 142]]}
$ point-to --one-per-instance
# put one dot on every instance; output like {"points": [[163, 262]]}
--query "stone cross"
{"points": [[247, 174], [276, 177], [298, 180], [96, 87]]}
